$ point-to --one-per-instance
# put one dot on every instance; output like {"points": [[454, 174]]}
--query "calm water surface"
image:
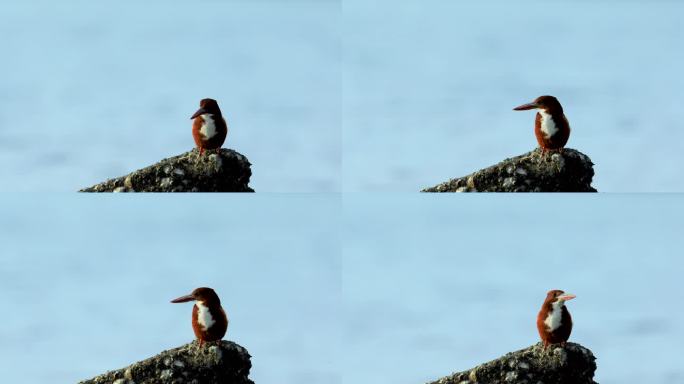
{"points": [[87, 283], [449, 285]]}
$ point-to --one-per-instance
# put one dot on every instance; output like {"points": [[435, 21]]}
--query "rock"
{"points": [[228, 171], [572, 364], [569, 171], [225, 363]]}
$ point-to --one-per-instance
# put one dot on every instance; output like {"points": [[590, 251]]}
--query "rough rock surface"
{"points": [[228, 171], [567, 171], [225, 363], [572, 364]]}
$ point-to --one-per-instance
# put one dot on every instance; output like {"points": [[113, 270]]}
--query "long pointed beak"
{"points": [[527, 106], [183, 299], [566, 297], [200, 111]]}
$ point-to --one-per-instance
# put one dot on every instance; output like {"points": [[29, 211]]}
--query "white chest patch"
{"points": [[548, 126], [208, 129], [553, 319], [204, 317]]}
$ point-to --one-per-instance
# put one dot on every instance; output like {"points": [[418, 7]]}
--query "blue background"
{"points": [[427, 285], [94, 90], [434, 285], [429, 88], [86, 282]]}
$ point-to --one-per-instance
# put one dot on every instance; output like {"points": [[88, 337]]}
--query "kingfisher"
{"points": [[553, 321], [209, 128], [550, 126], [209, 320]]}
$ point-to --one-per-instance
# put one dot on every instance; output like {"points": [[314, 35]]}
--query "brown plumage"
{"points": [[215, 129], [554, 322], [209, 320], [556, 122]]}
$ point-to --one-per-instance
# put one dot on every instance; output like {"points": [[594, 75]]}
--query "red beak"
{"points": [[200, 111], [525, 107], [183, 299], [566, 296]]}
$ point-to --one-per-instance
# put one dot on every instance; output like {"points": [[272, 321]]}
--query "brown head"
{"points": [[556, 295], [208, 106], [548, 103], [203, 294]]}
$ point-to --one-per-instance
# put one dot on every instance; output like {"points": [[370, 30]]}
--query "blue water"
{"points": [[86, 283], [92, 91], [413, 288], [429, 88], [438, 285], [368, 96], [418, 91]]}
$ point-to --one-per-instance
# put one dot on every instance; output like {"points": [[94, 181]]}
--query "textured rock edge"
{"points": [[534, 171], [572, 364], [174, 364], [170, 175]]}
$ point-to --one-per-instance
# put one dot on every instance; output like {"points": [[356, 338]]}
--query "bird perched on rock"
{"points": [[550, 126], [553, 321], [209, 128], [209, 320]]}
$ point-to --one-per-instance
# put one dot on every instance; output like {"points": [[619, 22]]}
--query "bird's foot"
{"points": [[544, 349], [200, 153]]}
